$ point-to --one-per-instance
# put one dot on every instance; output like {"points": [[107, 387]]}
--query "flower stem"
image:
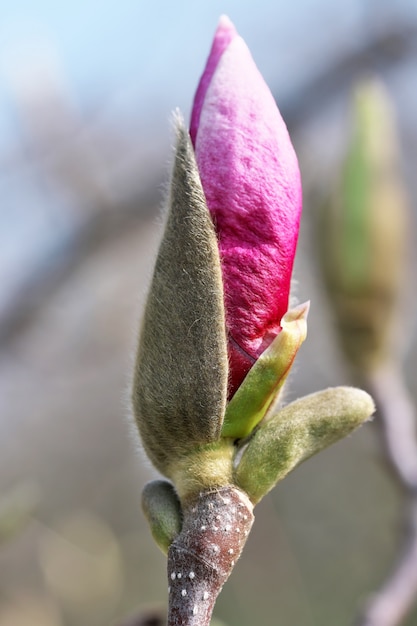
{"points": [[200, 560]]}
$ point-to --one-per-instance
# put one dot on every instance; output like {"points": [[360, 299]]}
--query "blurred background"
{"points": [[86, 94]]}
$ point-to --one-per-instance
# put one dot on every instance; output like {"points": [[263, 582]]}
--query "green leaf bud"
{"points": [[265, 380], [162, 509], [296, 432]]}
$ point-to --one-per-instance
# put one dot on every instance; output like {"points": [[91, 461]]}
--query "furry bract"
{"points": [[251, 181]]}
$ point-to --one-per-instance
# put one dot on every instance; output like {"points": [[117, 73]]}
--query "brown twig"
{"points": [[396, 597], [201, 558]]}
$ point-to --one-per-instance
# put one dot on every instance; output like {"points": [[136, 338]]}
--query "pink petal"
{"points": [[224, 34], [251, 180]]}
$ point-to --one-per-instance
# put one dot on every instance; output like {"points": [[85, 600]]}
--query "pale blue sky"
{"points": [[159, 46], [156, 50]]}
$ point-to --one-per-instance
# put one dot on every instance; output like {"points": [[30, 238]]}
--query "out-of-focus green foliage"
{"points": [[16, 509], [363, 232]]}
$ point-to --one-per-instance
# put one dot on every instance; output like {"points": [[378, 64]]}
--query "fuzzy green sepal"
{"points": [[180, 381], [265, 380], [296, 432]]}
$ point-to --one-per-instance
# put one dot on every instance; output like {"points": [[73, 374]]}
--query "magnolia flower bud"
{"points": [[217, 340], [223, 270]]}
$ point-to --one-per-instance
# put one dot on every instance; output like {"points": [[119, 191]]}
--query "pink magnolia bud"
{"points": [[251, 180]]}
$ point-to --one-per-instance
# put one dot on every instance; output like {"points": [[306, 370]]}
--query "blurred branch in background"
{"points": [[382, 50], [390, 605], [364, 252]]}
